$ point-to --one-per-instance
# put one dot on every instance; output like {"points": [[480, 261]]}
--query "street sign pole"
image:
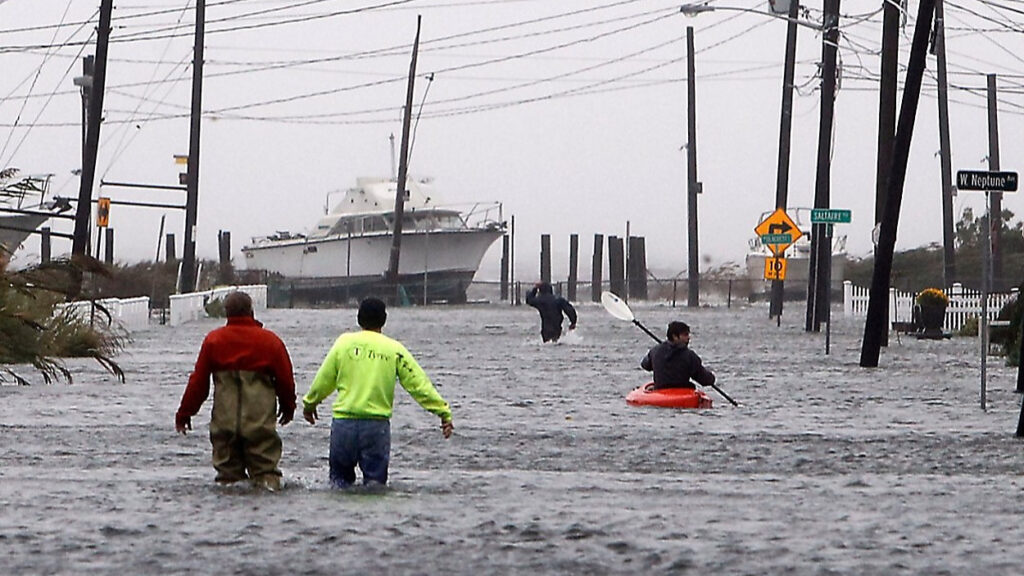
{"points": [[828, 290], [988, 182], [986, 262], [777, 232], [824, 219]]}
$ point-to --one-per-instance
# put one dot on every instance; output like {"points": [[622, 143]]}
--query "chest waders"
{"points": [[243, 427]]}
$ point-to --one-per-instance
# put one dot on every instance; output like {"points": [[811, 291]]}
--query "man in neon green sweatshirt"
{"points": [[362, 367]]}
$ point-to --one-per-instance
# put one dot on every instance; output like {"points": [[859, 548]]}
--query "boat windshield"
{"points": [[435, 220], [355, 225], [422, 220]]}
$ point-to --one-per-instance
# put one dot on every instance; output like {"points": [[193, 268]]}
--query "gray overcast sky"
{"points": [[572, 113]]}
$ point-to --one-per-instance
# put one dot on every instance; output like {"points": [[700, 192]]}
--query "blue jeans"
{"points": [[363, 442]]}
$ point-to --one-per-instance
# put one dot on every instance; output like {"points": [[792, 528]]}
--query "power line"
{"points": [[394, 50], [517, 56], [125, 142], [120, 18], [35, 78]]}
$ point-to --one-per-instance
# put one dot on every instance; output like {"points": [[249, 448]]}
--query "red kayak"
{"points": [[668, 397]]}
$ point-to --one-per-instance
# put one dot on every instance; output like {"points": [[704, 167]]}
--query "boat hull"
{"points": [[16, 228], [433, 267], [796, 282], [433, 288]]}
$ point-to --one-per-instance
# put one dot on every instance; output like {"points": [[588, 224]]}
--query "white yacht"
{"points": [[347, 253]]}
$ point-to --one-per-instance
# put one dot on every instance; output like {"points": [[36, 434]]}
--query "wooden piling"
{"points": [[504, 267], [108, 253], [616, 270], [226, 273], [574, 247], [545, 258], [595, 269], [171, 257], [637, 267], [44, 246]]}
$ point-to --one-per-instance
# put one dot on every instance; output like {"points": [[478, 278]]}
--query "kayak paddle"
{"points": [[619, 309]]}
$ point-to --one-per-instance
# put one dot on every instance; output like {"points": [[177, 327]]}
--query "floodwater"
{"points": [[825, 468]]}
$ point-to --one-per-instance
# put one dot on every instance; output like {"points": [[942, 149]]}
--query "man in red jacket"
{"points": [[252, 376]]}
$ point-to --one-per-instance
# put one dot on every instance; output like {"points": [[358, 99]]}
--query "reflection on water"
{"points": [[824, 468]]}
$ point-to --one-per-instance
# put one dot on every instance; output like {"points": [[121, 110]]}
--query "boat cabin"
{"points": [[430, 220]]}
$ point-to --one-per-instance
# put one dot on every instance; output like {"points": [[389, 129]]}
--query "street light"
{"points": [[779, 9], [84, 82], [784, 10]]}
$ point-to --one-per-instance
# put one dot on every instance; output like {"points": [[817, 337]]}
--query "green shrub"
{"points": [[970, 327], [34, 332], [215, 308], [1009, 336]]}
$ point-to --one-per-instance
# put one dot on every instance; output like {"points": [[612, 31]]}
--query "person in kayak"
{"points": [[252, 375], [551, 310], [673, 363], [362, 367]]}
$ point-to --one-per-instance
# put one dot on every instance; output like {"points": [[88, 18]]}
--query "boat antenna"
{"points": [[412, 143], [392, 139]]}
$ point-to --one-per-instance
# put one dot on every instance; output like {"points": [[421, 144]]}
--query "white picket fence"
{"points": [[192, 306], [131, 313], [963, 304]]}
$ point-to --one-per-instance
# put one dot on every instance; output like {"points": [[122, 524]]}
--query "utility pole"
{"points": [[785, 136], [80, 242], [84, 82], [692, 185], [945, 160], [995, 208], [188, 261], [879, 293], [890, 56], [821, 247], [886, 100], [403, 165]]}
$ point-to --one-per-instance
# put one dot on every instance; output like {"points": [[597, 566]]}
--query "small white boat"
{"points": [[346, 254], [798, 258]]}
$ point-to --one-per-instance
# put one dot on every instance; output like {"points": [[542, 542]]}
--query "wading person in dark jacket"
{"points": [[551, 308], [252, 381], [673, 363]]}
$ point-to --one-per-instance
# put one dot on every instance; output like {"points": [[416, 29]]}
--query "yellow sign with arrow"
{"points": [[778, 231]]}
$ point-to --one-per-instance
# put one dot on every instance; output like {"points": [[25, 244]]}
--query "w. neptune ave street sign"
{"points": [[990, 181]]}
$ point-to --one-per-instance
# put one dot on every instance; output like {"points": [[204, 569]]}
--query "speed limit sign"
{"points": [[774, 268]]}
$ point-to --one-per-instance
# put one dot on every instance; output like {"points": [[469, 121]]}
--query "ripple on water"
{"points": [[825, 467]]}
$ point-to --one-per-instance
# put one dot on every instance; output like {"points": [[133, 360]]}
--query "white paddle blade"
{"points": [[616, 307]]}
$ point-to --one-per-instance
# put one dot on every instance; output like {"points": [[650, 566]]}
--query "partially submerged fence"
{"points": [[963, 304], [713, 291], [192, 306], [131, 313]]}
